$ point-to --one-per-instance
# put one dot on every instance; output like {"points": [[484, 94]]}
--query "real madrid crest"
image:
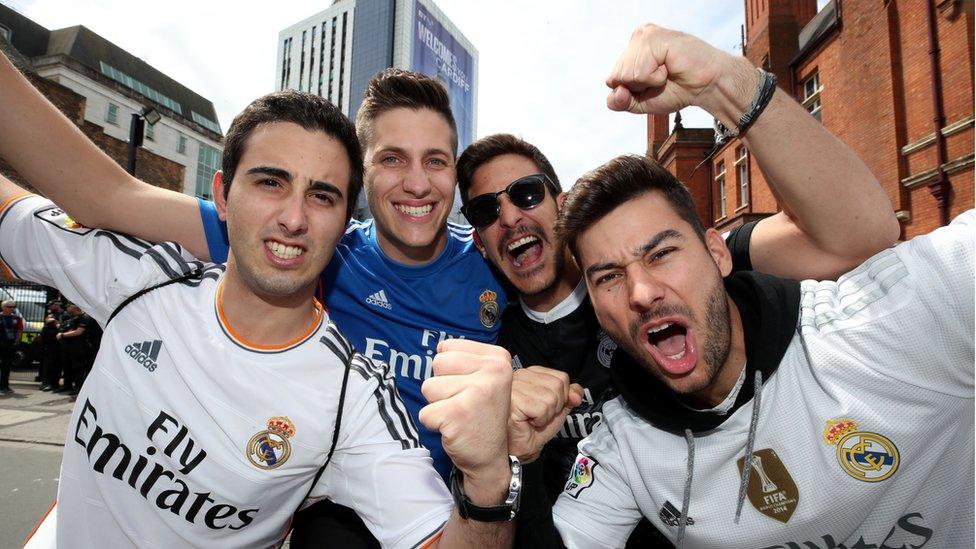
{"points": [[605, 349], [864, 455], [270, 449], [489, 308]]}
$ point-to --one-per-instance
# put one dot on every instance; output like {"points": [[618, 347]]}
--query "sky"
{"points": [[542, 64]]}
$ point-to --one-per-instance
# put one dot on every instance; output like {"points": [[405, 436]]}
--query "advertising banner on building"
{"points": [[436, 53]]}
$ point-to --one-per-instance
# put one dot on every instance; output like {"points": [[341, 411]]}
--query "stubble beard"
{"points": [[714, 339]]}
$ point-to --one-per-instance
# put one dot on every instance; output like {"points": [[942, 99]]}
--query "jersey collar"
{"points": [[562, 309]]}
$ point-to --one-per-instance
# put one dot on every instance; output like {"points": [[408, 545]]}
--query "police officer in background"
{"points": [[11, 327], [75, 349], [52, 359]]}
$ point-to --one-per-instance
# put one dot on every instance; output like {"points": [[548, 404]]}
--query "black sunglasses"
{"points": [[525, 192]]}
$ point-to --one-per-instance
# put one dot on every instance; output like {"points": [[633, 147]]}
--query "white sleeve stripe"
{"points": [[341, 341], [407, 437], [173, 251], [388, 383], [114, 238], [344, 357]]}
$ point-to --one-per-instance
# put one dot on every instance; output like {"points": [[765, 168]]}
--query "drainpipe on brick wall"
{"points": [[940, 188]]}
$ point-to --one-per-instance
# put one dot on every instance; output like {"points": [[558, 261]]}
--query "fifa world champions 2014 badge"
{"points": [[866, 456], [270, 449], [489, 312], [581, 475]]}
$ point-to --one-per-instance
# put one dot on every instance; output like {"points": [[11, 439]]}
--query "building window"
{"points": [[301, 65], [5, 33], [205, 122], [811, 94], [150, 131], [112, 116], [181, 144], [140, 88], [332, 59], [720, 183], [742, 172], [208, 162], [342, 60]]}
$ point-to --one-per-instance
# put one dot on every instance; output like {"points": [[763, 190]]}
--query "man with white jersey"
{"points": [[814, 414], [398, 285], [211, 427]]}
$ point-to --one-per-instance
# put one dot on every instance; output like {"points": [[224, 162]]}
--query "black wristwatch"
{"points": [[498, 513]]}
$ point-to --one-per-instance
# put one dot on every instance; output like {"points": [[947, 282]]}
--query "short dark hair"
{"points": [[620, 180], [308, 111], [396, 88], [486, 149]]}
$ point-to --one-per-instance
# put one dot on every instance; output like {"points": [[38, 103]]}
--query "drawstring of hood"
{"points": [[750, 443], [746, 465], [686, 497]]}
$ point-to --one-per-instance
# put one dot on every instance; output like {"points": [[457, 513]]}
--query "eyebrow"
{"points": [[639, 251], [313, 184], [272, 171], [324, 186], [401, 150]]}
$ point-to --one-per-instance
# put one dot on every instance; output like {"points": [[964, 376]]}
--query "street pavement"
{"points": [[33, 424]]}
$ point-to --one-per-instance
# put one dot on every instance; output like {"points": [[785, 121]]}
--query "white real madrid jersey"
{"points": [[865, 431], [185, 434]]}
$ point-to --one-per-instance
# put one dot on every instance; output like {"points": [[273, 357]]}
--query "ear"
{"points": [[719, 251], [560, 200], [218, 193], [479, 244]]}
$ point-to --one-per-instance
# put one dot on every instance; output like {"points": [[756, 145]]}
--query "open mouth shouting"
{"points": [[524, 251], [672, 345]]}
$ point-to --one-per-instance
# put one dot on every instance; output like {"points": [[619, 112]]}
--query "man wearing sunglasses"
{"points": [[511, 195]]}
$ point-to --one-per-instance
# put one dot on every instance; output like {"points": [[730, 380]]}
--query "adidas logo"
{"points": [[379, 299], [671, 515], [145, 353]]}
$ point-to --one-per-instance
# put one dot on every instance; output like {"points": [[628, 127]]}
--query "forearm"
{"points": [[51, 153], [57, 159], [824, 188], [484, 492]]}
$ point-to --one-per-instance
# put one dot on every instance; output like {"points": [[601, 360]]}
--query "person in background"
{"points": [[76, 349], [11, 328]]}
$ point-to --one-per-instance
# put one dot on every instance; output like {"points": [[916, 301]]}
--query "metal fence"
{"points": [[31, 301]]}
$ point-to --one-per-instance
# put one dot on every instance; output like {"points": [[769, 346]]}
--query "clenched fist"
{"points": [[541, 398], [470, 395], [663, 71]]}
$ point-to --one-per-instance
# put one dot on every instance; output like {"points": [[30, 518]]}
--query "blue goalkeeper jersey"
{"points": [[397, 313]]}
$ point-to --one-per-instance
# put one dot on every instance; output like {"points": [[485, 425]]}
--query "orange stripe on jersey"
{"points": [[4, 268], [316, 322], [40, 522], [431, 540]]}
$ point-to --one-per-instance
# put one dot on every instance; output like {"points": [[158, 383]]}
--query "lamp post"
{"points": [[137, 128]]}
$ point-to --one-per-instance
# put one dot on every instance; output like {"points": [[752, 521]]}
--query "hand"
{"points": [[469, 397], [58, 337], [541, 398], [662, 71]]}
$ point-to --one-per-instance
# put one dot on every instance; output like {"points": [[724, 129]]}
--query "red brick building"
{"points": [[892, 78]]}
